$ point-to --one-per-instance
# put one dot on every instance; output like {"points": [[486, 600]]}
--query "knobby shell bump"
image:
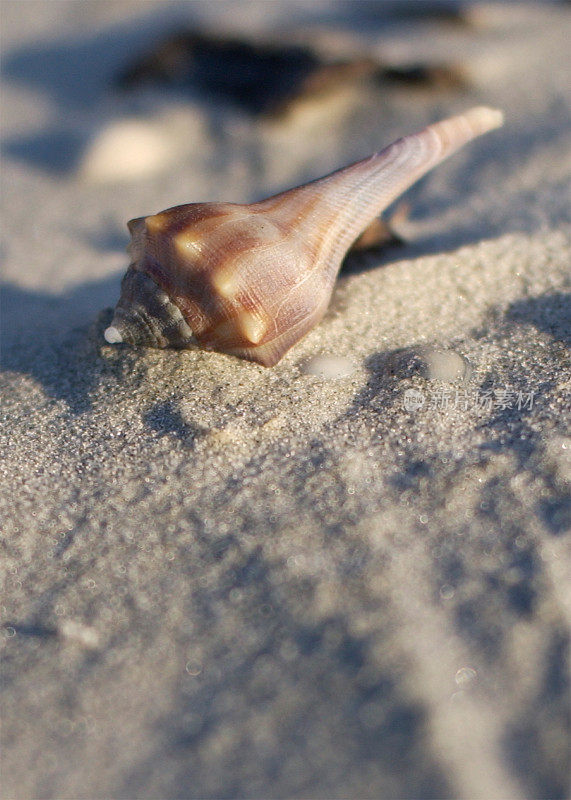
{"points": [[252, 280]]}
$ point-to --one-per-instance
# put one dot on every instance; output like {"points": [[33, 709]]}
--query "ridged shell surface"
{"points": [[251, 280]]}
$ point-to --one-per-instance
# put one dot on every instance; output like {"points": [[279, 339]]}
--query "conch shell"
{"points": [[252, 280]]}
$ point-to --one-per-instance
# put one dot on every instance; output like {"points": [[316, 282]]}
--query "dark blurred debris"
{"points": [[267, 78], [549, 313], [261, 78], [253, 76], [430, 76]]}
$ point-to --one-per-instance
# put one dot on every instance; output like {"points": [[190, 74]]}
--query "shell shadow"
{"points": [[509, 428], [386, 369], [46, 338], [167, 420], [550, 313], [357, 262]]}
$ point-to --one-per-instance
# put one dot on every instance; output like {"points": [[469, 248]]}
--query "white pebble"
{"points": [[127, 150], [329, 367], [113, 335], [446, 365]]}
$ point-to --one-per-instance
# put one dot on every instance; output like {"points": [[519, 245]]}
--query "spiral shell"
{"points": [[252, 280]]}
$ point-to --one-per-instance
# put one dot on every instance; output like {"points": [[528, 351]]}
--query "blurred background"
{"points": [[236, 100], [113, 110]]}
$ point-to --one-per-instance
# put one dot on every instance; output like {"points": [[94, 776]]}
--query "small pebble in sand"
{"points": [[446, 365], [329, 367], [127, 150]]}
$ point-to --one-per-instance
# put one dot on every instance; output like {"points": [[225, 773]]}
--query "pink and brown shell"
{"points": [[252, 280]]}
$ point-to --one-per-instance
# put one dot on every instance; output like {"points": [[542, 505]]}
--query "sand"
{"points": [[333, 578]]}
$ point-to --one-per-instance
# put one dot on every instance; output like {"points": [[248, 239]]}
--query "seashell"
{"points": [[252, 280]]}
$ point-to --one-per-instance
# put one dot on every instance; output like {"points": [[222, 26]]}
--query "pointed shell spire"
{"points": [[251, 280]]}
